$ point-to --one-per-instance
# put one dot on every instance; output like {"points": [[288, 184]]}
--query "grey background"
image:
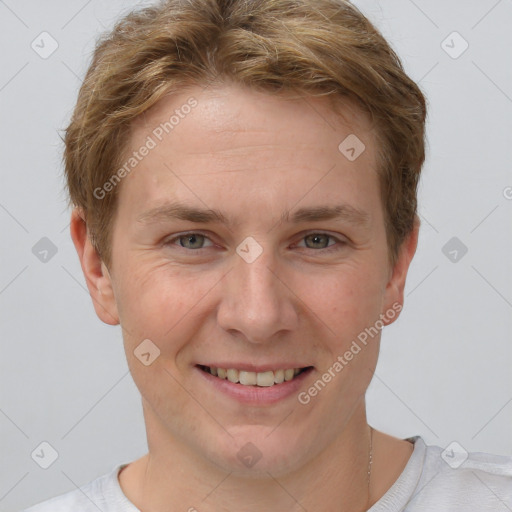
{"points": [[444, 369]]}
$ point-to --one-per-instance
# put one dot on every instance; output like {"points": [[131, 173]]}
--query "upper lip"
{"points": [[258, 368]]}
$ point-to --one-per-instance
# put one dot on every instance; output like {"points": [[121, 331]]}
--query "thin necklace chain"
{"points": [[370, 460]]}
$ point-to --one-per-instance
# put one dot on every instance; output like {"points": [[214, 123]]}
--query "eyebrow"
{"points": [[181, 212], [344, 212], [184, 212]]}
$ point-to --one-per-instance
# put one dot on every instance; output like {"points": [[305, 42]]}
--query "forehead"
{"points": [[229, 139], [231, 110]]}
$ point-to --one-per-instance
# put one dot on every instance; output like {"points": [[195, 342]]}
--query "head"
{"points": [[265, 114]]}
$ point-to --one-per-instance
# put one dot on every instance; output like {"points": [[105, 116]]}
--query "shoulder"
{"points": [[103, 494], [453, 479], [72, 500]]}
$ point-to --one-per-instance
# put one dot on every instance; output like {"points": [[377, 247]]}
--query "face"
{"points": [[285, 268]]}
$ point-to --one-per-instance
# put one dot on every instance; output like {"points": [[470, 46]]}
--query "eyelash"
{"points": [[330, 248]]}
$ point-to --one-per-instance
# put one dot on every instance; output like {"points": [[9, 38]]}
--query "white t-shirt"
{"points": [[481, 483]]}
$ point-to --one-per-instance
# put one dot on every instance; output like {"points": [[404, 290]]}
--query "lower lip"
{"points": [[256, 395]]}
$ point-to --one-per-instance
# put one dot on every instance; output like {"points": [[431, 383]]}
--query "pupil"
{"points": [[316, 239], [192, 240]]}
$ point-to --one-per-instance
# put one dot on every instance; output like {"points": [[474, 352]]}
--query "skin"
{"points": [[252, 156]]}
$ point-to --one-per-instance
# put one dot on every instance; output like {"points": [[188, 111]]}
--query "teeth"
{"points": [[288, 374], [248, 378], [262, 379], [279, 376], [265, 379], [233, 375]]}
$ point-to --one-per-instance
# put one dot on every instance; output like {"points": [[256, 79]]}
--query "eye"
{"points": [[192, 241], [317, 240], [321, 241]]}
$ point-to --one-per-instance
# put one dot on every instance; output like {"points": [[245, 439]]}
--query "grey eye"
{"points": [[192, 241], [317, 240]]}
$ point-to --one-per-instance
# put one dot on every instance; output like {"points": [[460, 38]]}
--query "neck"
{"points": [[173, 475]]}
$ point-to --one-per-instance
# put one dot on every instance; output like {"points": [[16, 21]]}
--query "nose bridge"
{"points": [[258, 280], [254, 300]]}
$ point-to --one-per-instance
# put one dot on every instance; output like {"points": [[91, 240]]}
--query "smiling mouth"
{"points": [[260, 379]]}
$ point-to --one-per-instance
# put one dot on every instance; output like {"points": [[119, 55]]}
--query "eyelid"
{"points": [[174, 238], [338, 238]]}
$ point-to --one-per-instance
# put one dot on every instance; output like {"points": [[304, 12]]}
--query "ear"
{"points": [[95, 271], [394, 293]]}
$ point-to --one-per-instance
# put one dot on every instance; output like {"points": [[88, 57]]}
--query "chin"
{"points": [[255, 451]]}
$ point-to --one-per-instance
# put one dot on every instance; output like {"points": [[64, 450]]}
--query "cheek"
{"points": [[157, 304], [346, 301], [350, 308], [157, 301]]}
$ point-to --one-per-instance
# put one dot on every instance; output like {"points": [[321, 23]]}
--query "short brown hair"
{"points": [[315, 47]]}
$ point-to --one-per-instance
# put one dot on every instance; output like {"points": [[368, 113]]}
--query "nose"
{"points": [[256, 301]]}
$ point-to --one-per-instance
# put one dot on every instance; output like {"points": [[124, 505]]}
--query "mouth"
{"points": [[269, 378]]}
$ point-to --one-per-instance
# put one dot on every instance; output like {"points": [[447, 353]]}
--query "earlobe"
{"points": [[394, 293], [97, 276]]}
